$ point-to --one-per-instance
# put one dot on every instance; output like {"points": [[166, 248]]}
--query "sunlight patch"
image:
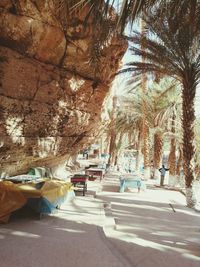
{"points": [[71, 230], [75, 84], [62, 104], [162, 233], [190, 256], [140, 206], [15, 129], [20, 233], [47, 145]]}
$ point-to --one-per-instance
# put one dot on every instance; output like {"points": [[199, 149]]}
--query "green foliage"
{"points": [[173, 46], [127, 10], [163, 103]]}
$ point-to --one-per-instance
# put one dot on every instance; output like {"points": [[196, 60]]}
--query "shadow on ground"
{"points": [[155, 233]]}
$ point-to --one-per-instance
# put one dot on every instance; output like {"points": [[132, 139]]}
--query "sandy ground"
{"points": [[107, 228], [153, 227]]}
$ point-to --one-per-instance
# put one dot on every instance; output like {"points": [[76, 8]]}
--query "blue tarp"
{"points": [[131, 183], [44, 206]]}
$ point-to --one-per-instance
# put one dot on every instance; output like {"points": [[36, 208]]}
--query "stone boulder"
{"points": [[50, 96]]}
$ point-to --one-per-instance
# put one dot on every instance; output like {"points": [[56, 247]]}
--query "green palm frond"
{"points": [[161, 100], [127, 10], [173, 46], [100, 40], [133, 84]]}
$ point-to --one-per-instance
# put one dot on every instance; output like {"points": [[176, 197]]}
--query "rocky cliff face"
{"points": [[50, 96]]}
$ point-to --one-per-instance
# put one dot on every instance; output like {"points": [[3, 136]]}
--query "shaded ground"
{"points": [[156, 226], [72, 237], [151, 228]]}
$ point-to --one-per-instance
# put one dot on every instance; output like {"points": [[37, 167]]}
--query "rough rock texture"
{"points": [[50, 97]]}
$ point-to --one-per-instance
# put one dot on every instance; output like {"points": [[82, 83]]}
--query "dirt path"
{"points": [[152, 228]]}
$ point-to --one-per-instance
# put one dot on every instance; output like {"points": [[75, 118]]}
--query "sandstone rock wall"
{"points": [[50, 96]]}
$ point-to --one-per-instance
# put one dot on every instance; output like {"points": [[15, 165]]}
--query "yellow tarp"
{"points": [[14, 196], [55, 189], [51, 190], [11, 199]]}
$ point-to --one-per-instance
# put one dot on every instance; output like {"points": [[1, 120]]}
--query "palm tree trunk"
{"points": [[157, 155], [107, 143], [145, 129], [179, 167], [116, 159], [139, 153], [111, 147], [112, 133], [179, 162], [129, 138], [172, 163], [188, 95], [101, 145], [172, 155], [117, 151]]}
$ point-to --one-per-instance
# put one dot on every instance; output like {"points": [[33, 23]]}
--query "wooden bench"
{"points": [[80, 182]]}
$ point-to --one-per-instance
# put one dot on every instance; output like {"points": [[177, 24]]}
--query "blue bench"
{"points": [[131, 183]]}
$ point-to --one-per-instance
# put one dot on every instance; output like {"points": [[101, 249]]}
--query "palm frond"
{"points": [[172, 46], [128, 10]]}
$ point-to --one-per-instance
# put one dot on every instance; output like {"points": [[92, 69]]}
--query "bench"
{"points": [[80, 182]]}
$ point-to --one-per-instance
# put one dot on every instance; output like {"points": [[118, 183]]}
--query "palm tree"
{"points": [[109, 17], [128, 10], [145, 129], [173, 50], [112, 132], [168, 109], [160, 109], [174, 124], [161, 102], [129, 121]]}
